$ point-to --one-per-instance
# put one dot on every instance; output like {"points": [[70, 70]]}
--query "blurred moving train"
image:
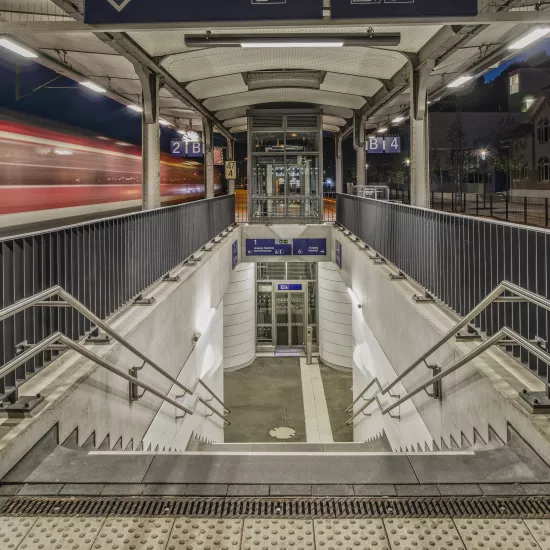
{"points": [[48, 173]]}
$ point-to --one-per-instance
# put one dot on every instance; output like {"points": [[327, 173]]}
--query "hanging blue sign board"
{"points": [[268, 247], [350, 9], [389, 144], [392, 144], [339, 254], [97, 12], [310, 247], [290, 287], [375, 145], [235, 254], [188, 149]]}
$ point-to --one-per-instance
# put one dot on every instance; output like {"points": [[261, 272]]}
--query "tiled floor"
{"points": [[67, 533]]}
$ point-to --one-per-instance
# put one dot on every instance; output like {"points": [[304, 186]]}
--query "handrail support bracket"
{"points": [[437, 391]]}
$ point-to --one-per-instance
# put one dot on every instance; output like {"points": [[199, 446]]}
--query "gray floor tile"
{"points": [[288, 447], [247, 490], [283, 469], [165, 489], [375, 490], [536, 488], [497, 489], [68, 466], [206, 490], [10, 489], [459, 490], [220, 447], [40, 489], [332, 490], [417, 490], [82, 489], [123, 489], [290, 490]]}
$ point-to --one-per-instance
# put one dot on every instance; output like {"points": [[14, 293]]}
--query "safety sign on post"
{"points": [[230, 170]]}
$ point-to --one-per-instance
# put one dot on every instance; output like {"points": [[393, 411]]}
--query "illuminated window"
{"points": [[544, 169], [514, 84], [543, 131]]}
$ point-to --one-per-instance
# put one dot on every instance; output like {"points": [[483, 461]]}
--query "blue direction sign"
{"points": [[268, 247], [310, 247], [188, 149], [170, 11], [349, 9], [235, 254], [339, 254], [392, 144], [375, 145], [290, 287]]}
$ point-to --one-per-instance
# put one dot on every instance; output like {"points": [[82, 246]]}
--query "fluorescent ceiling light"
{"points": [[163, 122], [136, 108], [292, 44], [62, 152], [459, 81], [533, 36], [16, 48], [382, 130], [94, 87], [398, 119], [123, 144]]}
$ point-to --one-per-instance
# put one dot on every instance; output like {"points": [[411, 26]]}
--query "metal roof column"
{"points": [[360, 150], [231, 156], [208, 134], [339, 166], [150, 136], [420, 157]]}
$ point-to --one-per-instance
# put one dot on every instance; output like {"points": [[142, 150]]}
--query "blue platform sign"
{"points": [[375, 145], [235, 254], [98, 12], [187, 149], [268, 247], [290, 287], [310, 247], [350, 9], [392, 144], [339, 254]]}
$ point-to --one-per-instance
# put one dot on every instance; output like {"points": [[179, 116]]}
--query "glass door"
{"points": [[282, 332], [290, 319], [297, 319]]}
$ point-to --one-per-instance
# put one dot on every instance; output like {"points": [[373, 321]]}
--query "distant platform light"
{"points": [[533, 36], [94, 87], [292, 40], [16, 48], [135, 108], [459, 81], [163, 122], [382, 130], [398, 119]]}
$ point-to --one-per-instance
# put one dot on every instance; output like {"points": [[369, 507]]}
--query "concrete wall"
{"points": [[78, 394], [484, 392], [239, 318], [335, 321]]}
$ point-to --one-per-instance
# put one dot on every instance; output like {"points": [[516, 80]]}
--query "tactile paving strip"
{"points": [[540, 529], [422, 534], [264, 534], [502, 534], [348, 534], [134, 534], [62, 534], [206, 534], [13, 531]]}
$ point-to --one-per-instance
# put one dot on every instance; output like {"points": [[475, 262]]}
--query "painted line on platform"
{"points": [[279, 454]]}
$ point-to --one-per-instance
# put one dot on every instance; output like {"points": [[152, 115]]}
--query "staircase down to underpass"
{"points": [[360, 469]]}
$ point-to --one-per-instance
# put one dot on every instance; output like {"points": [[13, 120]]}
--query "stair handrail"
{"points": [[40, 299], [520, 295]]}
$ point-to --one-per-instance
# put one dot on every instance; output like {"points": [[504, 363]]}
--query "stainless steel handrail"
{"points": [[521, 294], [40, 299]]}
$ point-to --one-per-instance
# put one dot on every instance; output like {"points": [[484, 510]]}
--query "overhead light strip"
{"points": [[527, 40], [16, 48]]}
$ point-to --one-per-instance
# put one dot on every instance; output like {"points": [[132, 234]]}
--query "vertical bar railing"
{"points": [[104, 264]]}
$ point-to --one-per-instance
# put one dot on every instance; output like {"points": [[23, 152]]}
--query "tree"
{"points": [[460, 160]]}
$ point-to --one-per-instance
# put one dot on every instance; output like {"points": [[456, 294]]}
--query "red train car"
{"points": [[51, 173]]}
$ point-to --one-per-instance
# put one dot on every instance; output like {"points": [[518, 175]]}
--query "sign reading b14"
{"points": [[390, 144]]}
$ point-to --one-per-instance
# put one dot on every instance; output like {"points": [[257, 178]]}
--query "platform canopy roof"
{"points": [[221, 83]]}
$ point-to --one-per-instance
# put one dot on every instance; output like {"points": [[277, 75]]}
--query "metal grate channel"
{"points": [[304, 508]]}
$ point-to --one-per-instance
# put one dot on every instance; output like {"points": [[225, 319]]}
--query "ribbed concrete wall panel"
{"points": [[335, 317], [239, 342]]}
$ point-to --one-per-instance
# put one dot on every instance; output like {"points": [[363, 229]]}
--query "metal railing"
{"points": [[42, 299], [459, 260], [286, 209], [517, 295], [104, 264]]}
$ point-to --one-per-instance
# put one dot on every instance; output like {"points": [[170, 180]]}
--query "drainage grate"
{"points": [[455, 507]]}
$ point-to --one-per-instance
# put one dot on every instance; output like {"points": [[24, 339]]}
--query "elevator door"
{"points": [[290, 319]]}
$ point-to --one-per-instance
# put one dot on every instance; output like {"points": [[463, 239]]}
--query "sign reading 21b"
{"points": [[391, 144]]}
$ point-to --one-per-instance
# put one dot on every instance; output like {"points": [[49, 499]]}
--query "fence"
{"points": [[104, 264], [524, 210], [459, 260]]}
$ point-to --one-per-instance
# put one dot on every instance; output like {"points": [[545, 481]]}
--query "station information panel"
{"points": [[353, 9], [168, 11]]}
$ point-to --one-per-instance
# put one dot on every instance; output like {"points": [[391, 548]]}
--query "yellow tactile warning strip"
{"points": [[76, 533]]}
